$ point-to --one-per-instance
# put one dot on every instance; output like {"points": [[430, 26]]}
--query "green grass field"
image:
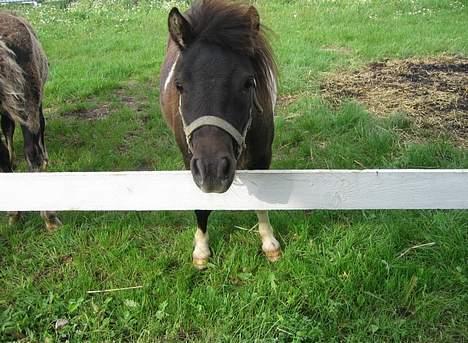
{"points": [[341, 277]]}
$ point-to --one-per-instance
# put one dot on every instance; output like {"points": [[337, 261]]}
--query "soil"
{"points": [[124, 95], [432, 91], [91, 114]]}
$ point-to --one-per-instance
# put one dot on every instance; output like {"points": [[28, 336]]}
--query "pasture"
{"points": [[345, 275]]}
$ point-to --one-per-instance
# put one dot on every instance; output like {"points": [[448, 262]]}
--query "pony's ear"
{"points": [[252, 13], [180, 29]]}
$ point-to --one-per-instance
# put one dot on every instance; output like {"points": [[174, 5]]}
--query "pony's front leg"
{"points": [[201, 251], [5, 163], [51, 220], [270, 245], [8, 128], [6, 167], [36, 156]]}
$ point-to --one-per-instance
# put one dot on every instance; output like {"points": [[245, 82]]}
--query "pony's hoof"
{"points": [[52, 224], [13, 218], [200, 263], [273, 255]]}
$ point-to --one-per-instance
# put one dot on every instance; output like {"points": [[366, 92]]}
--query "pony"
{"points": [[218, 89], [23, 73]]}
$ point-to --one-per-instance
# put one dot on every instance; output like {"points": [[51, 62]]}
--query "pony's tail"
{"points": [[12, 85]]}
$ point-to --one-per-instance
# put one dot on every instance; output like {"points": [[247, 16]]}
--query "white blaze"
{"points": [[171, 74]]}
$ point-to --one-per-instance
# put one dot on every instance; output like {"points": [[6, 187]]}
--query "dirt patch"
{"points": [[432, 91], [133, 94], [91, 114], [136, 105], [287, 99], [126, 95]]}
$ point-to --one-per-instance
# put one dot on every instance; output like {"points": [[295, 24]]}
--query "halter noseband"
{"points": [[210, 120]]}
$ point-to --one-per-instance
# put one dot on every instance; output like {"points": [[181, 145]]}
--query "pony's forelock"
{"points": [[229, 25]]}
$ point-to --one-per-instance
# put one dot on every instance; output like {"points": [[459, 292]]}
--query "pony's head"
{"points": [[223, 60]]}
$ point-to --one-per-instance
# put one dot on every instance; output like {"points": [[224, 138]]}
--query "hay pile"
{"points": [[432, 91]]}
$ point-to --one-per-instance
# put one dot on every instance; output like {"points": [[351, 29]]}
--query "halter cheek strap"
{"points": [[210, 120]]}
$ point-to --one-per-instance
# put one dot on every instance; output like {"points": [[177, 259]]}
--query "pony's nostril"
{"points": [[224, 167], [196, 167]]}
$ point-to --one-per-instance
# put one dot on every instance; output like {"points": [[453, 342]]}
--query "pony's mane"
{"points": [[11, 85], [229, 25]]}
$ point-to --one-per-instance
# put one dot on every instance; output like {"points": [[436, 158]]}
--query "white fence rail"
{"points": [[261, 190]]}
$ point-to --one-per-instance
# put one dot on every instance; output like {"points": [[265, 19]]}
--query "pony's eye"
{"points": [[179, 87], [249, 83]]}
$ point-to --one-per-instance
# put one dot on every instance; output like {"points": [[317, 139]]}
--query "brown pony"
{"points": [[23, 73], [218, 93]]}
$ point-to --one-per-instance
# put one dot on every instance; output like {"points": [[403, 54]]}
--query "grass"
{"points": [[341, 278]]}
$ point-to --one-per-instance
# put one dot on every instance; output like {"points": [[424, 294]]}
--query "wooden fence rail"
{"points": [[251, 190]]}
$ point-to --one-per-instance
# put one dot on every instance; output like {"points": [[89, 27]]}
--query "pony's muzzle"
{"points": [[213, 175]]}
